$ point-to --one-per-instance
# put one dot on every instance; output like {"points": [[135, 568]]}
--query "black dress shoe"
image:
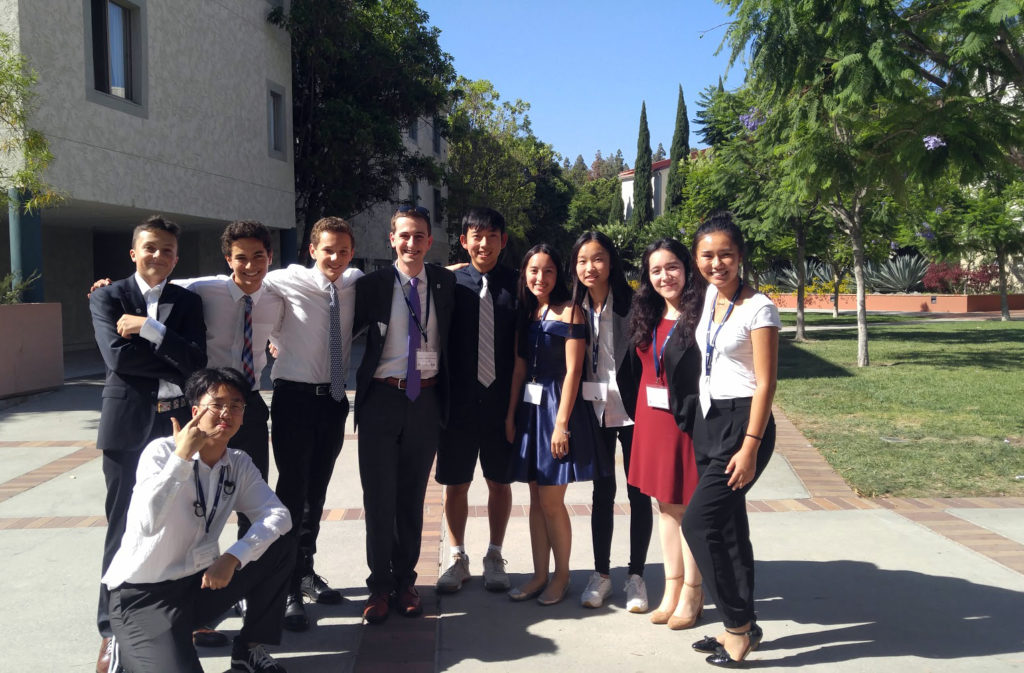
{"points": [[295, 618], [723, 659], [208, 637], [710, 644], [240, 607], [317, 590]]}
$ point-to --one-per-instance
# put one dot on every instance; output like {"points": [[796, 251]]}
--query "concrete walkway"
{"points": [[844, 583]]}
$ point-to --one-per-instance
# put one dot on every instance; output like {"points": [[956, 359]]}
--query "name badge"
{"points": [[595, 391], [657, 397], [426, 360], [204, 555], [533, 393], [705, 398]]}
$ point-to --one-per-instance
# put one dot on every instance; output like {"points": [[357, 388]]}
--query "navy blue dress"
{"points": [[545, 364]]}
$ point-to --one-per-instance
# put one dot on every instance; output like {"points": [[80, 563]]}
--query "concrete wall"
{"points": [[201, 146]]}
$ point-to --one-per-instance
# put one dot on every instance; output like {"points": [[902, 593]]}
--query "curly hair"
{"points": [[648, 305]]}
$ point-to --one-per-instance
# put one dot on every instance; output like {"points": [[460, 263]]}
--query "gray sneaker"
{"points": [[598, 589], [452, 579], [495, 577]]}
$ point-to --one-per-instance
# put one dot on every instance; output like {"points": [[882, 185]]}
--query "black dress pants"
{"points": [[153, 623], [397, 443], [253, 438], [308, 430], [715, 523], [641, 517], [119, 469]]}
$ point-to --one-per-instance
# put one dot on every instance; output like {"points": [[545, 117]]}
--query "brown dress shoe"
{"points": [[409, 603], [376, 609], [103, 661]]}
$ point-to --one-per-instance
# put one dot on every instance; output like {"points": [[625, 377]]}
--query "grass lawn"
{"points": [[847, 318], [940, 411]]}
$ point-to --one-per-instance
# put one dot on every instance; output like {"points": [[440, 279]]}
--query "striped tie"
{"points": [[334, 345], [247, 366], [485, 343]]}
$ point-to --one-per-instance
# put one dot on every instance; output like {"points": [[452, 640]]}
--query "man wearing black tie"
{"points": [[401, 402]]}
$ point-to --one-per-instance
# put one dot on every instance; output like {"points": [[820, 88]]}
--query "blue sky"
{"points": [[578, 63]]}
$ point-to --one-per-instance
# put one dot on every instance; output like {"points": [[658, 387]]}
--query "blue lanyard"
{"points": [[408, 305], [200, 506], [710, 343], [659, 358], [536, 345]]}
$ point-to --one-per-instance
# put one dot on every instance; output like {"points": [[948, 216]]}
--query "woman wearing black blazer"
{"points": [[600, 287], [665, 364]]}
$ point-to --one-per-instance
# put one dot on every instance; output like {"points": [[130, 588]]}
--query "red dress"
{"points": [[662, 463]]}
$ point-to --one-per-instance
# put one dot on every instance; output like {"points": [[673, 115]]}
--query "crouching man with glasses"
{"points": [[169, 576]]}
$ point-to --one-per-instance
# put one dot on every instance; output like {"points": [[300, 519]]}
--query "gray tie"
{"points": [[485, 344], [334, 344]]}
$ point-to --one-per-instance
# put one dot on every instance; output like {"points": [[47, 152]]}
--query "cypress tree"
{"points": [[680, 151], [643, 196], [617, 212]]}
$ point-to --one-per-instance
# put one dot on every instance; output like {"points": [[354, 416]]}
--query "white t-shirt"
{"points": [[732, 365]]}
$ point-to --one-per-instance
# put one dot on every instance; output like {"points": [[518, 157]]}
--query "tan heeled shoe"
{"points": [[678, 623], [662, 616]]}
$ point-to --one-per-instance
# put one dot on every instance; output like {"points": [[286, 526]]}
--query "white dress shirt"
{"points": [[394, 355], [302, 339], [611, 413], [732, 365], [162, 528], [153, 330], [224, 311]]}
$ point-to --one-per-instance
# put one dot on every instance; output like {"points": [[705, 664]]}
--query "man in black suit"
{"points": [[401, 403], [152, 337]]}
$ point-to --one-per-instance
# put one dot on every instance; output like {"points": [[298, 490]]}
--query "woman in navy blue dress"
{"points": [[555, 432]]}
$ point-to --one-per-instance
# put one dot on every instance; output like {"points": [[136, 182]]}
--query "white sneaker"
{"points": [[457, 573], [495, 577], [636, 594], [598, 589]]}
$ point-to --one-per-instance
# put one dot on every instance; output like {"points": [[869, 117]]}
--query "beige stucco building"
{"points": [[177, 107], [659, 180]]}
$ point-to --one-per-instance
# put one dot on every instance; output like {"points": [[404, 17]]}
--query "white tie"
{"points": [[485, 343]]}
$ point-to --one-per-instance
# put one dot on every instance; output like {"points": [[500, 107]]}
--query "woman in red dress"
{"points": [[663, 319]]}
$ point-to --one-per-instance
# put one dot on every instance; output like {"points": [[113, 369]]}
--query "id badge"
{"points": [[595, 391], [533, 393], [705, 399], [657, 397], [426, 360], [204, 555]]}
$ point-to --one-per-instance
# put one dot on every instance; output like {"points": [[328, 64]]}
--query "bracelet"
{"points": [[566, 433], [755, 437]]}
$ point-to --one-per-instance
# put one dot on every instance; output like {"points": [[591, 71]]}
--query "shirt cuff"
{"points": [[153, 332], [241, 551]]}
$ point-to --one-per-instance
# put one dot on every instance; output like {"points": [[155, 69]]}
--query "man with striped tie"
{"points": [[482, 337]]}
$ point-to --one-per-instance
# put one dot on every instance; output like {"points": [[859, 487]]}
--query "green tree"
{"points": [[643, 195], [591, 203], [617, 210], [679, 153], [578, 172], [659, 153], [361, 73]]}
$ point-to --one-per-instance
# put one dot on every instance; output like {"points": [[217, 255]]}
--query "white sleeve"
{"points": [[766, 315]]}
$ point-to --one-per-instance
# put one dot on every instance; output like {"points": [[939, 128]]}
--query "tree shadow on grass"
{"points": [[798, 363], [868, 612]]}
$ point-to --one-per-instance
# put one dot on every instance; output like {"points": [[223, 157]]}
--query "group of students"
{"points": [[533, 380]]}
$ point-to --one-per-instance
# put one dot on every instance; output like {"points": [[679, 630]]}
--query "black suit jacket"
{"points": [[374, 292], [624, 374], [135, 366], [682, 375]]}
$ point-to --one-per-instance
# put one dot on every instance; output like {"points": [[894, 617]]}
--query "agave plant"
{"points": [[788, 277], [900, 274]]}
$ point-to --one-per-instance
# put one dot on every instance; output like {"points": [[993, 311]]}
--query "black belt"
{"points": [[317, 389], [733, 403]]}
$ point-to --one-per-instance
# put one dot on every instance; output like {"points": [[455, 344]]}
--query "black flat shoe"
{"points": [[710, 644], [721, 657], [295, 618]]}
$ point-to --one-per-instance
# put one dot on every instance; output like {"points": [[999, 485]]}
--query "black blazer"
{"points": [[682, 375], [135, 366], [374, 292]]}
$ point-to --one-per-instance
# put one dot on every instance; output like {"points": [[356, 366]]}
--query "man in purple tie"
{"points": [[401, 403]]}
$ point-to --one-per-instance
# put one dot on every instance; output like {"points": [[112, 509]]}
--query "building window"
{"points": [[414, 130], [437, 136], [414, 191], [277, 122], [437, 206], [116, 54]]}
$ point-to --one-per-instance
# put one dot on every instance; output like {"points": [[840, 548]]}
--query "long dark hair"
{"points": [[527, 301], [721, 220], [648, 305], [616, 279]]}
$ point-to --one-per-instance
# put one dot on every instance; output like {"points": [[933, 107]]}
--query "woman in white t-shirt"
{"points": [[734, 433]]}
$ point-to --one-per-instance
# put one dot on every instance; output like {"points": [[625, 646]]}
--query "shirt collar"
{"points": [[589, 305], [422, 275], [237, 293], [144, 287]]}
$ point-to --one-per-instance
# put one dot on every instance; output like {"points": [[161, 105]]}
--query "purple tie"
{"points": [[412, 375]]}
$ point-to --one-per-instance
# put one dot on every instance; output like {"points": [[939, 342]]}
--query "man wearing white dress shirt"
{"points": [[309, 407], [169, 576]]}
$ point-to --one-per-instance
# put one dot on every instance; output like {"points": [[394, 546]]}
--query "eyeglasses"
{"points": [[420, 210], [218, 408]]}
